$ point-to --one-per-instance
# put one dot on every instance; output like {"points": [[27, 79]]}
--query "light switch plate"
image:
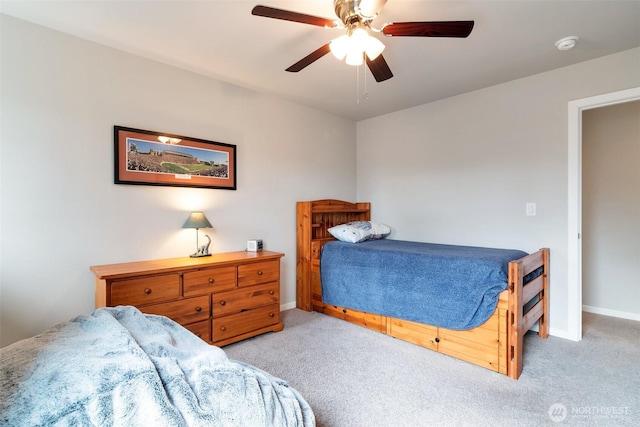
{"points": [[531, 209]]}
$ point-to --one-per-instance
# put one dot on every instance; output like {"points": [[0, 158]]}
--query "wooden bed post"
{"points": [[515, 318], [543, 326], [303, 256]]}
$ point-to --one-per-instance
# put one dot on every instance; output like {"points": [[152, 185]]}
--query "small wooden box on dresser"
{"points": [[224, 298]]}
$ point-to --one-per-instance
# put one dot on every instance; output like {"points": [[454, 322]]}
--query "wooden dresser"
{"points": [[224, 298]]}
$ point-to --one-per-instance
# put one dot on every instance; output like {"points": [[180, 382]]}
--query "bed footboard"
{"points": [[528, 304]]}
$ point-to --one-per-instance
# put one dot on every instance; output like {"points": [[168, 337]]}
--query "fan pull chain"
{"points": [[365, 94], [364, 71], [357, 84]]}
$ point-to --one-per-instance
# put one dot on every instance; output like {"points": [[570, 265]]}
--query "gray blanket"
{"points": [[119, 367]]}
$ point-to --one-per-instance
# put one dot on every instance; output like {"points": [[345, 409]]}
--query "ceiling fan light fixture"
{"points": [[353, 46], [359, 36], [357, 45], [373, 47], [354, 57], [340, 46]]}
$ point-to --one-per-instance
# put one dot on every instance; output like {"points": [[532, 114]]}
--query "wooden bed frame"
{"points": [[497, 344]]}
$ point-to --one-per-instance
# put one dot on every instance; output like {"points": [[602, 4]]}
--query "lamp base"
{"points": [[199, 255]]}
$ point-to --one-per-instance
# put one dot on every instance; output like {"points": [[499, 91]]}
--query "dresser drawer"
{"points": [[201, 329], [184, 311], [258, 272], [244, 299], [247, 321], [209, 280], [145, 290]]}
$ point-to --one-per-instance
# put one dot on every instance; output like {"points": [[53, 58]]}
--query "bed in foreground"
{"points": [[381, 288], [118, 366]]}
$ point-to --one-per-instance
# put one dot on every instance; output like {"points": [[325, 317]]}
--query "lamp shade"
{"points": [[197, 220]]}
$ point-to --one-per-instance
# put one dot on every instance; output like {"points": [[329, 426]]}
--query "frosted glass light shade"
{"points": [[373, 47], [340, 46], [359, 37], [354, 57]]}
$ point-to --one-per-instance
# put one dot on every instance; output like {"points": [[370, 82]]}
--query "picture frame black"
{"points": [[143, 157]]}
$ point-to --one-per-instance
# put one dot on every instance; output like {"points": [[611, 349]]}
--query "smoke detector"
{"points": [[567, 43]]}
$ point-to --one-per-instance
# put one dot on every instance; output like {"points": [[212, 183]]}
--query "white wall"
{"points": [[461, 170], [611, 210], [60, 210], [450, 171]]}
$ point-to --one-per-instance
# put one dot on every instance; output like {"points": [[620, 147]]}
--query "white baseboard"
{"points": [[561, 333], [287, 306], [612, 313]]}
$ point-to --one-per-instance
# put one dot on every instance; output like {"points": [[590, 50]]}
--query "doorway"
{"points": [[574, 252]]}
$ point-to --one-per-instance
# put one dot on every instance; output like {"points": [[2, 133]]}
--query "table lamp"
{"points": [[198, 220]]}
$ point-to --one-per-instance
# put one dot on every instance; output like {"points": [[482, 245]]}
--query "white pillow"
{"points": [[378, 231], [359, 231]]}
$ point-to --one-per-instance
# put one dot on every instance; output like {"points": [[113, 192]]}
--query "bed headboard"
{"points": [[313, 219]]}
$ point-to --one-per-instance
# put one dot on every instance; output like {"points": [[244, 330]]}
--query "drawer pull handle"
{"points": [[272, 315], [223, 303], [211, 280], [271, 292], [223, 328], [260, 273], [147, 291], [198, 309]]}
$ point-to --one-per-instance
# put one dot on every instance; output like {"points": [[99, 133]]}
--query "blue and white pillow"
{"points": [[359, 231]]}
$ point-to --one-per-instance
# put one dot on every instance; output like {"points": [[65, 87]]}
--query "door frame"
{"points": [[574, 252]]}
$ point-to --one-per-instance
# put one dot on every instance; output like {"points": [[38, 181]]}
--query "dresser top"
{"points": [[167, 265]]}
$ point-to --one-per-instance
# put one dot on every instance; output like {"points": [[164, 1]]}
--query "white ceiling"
{"points": [[221, 39]]}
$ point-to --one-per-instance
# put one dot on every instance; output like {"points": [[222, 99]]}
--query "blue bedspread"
{"points": [[455, 287], [118, 367]]}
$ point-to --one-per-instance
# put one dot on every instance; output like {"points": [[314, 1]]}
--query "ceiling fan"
{"points": [[357, 45]]}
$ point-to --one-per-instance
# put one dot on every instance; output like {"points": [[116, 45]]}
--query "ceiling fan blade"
{"points": [[429, 29], [379, 69], [309, 59], [285, 15]]}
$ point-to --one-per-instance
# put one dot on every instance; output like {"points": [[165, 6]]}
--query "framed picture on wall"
{"points": [[155, 158]]}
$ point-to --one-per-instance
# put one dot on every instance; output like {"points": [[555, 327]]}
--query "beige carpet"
{"points": [[355, 377]]}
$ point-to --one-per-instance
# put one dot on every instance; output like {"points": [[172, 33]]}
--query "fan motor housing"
{"points": [[346, 11]]}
